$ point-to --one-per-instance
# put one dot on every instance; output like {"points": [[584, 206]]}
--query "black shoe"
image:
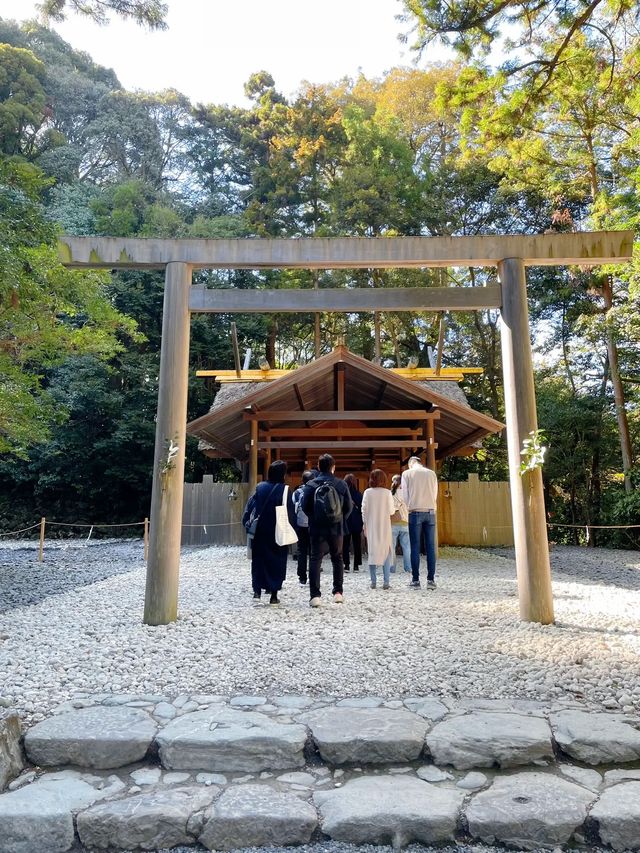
{"points": [[274, 598], [303, 580], [256, 595], [414, 585], [431, 585], [347, 569], [356, 568]]}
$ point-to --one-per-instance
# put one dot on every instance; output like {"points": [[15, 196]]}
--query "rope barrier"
{"points": [[23, 530], [595, 526], [81, 524]]}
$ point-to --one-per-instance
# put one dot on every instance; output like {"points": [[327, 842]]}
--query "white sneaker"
{"points": [[315, 602], [337, 598]]}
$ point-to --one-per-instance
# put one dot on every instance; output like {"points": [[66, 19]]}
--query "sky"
{"points": [[213, 46]]}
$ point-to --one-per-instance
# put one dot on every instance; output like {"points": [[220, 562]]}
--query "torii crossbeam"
{"points": [[510, 254]]}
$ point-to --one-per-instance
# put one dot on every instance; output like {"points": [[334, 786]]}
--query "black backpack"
{"points": [[327, 505]]}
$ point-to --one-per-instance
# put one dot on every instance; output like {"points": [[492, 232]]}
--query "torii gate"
{"points": [[510, 254]]}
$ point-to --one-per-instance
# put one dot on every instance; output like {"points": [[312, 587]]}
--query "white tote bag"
{"points": [[285, 534]]}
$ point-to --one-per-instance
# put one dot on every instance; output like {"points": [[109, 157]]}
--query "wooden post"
{"points": [[146, 539], [163, 567], [430, 435], [236, 349], [253, 457], [41, 549], [527, 499]]}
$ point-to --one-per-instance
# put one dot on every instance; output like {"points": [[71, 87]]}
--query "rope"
{"points": [[23, 530], [206, 524], [79, 524], [595, 526]]}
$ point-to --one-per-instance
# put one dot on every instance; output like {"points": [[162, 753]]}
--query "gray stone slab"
{"points": [[228, 739], [360, 702], [431, 709], [100, 737], [583, 776], [366, 735], [612, 777], [597, 738], [147, 821], [529, 810], [484, 739], [11, 758], [247, 701], [39, 818], [292, 701], [617, 814], [257, 816], [389, 810]]}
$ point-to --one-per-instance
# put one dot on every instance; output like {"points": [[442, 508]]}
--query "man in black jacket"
{"points": [[327, 503]]}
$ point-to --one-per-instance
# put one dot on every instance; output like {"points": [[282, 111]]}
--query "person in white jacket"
{"points": [[377, 509]]}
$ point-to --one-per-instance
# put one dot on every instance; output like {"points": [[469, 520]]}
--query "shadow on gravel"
{"points": [[591, 566], [25, 581]]}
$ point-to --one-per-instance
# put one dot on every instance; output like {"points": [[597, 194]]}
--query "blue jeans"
{"points": [[419, 522], [401, 532], [386, 569]]}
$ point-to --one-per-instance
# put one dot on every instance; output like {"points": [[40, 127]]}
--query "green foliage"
{"points": [[150, 13], [22, 100]]}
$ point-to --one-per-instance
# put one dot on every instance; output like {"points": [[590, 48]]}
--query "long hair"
{"points": [[351, 482], [396, 481]]}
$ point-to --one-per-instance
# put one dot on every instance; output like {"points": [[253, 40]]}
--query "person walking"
{"points": [[400, 524], [268, 559], [326, 501], [420, 488], [302, 528], [377, 509], [354, 527]]}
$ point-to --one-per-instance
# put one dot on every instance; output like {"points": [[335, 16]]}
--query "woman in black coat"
{"points": [[268, 559], [354, 525]]}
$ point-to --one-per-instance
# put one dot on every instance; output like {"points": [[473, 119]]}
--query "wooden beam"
{"points": [[253, 457], [346, 432], [318, 445], [343, 300], [347, 415], [467, 441], [431, 444], [585, 248], [406, 373], [236, 350], [339, 376]]}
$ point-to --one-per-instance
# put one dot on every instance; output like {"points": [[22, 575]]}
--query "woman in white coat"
{"points": [[377, 509]]}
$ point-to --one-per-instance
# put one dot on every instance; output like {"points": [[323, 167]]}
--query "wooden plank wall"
{"points": [[471, 513], [209, 517], [474, 513]]}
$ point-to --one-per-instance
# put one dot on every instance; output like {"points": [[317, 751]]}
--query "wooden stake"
{"points": [[236, 350], [527, 498], [146, 539], [41, 550], [253, 458], [163, 567]]}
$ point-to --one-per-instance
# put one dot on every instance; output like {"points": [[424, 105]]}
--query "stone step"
{"points": [[528, 809]]}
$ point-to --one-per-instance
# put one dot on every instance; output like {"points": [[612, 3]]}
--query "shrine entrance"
{"points": [[510, 254]]}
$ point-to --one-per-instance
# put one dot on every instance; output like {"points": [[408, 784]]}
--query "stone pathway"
{"points": [[145, 772]]}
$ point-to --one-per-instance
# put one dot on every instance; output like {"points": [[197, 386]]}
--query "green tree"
{"points": [[150, 13]]}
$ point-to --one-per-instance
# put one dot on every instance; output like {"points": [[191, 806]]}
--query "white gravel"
{"points": [[464, 640]]}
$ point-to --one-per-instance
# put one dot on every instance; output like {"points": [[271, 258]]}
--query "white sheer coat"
{"points": [[377, 509]]}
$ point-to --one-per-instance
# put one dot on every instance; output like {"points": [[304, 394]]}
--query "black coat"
{"points": [[355, 522], [268, 559], [307, 504]]}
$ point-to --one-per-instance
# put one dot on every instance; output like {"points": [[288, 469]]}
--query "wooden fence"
{"points": [[212, 513], [474, 512], [471, 513]]}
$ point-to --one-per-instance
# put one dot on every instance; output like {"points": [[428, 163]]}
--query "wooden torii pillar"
{"points": [[510, 253]]}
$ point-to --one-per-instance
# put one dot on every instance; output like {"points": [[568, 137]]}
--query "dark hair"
{"points": [[396, 481], [377, 478], [351, 481], [277, 471], [326, 463], [307, 475]]}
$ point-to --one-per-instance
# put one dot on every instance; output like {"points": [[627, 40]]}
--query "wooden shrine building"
{"points": [[365, 415]]}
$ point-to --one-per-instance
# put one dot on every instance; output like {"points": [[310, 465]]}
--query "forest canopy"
{"points": [[448, 149]]}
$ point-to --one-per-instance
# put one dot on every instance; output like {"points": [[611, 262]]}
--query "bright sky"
{"points": [[213, 46]]}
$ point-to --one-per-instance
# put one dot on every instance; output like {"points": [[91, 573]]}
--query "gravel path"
{"points": [[84, 631]]}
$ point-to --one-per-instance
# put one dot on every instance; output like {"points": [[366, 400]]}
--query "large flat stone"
{"points": [[485, 738], [11, 758], [597, 738], [389, 810], [617, 813], [39, 817], [529, 810], [228, 739], [257, 816], [367, 735], [147, 821], [99, 737]]}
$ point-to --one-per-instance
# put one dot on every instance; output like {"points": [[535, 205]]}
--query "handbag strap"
{"points": [[284, 495]]}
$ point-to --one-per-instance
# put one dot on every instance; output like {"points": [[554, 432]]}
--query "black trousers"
{"points": [[303, 553], [356, 538], [321, 545]]}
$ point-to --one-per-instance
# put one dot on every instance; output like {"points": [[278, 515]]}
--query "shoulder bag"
{"points": [[285, 534]]}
